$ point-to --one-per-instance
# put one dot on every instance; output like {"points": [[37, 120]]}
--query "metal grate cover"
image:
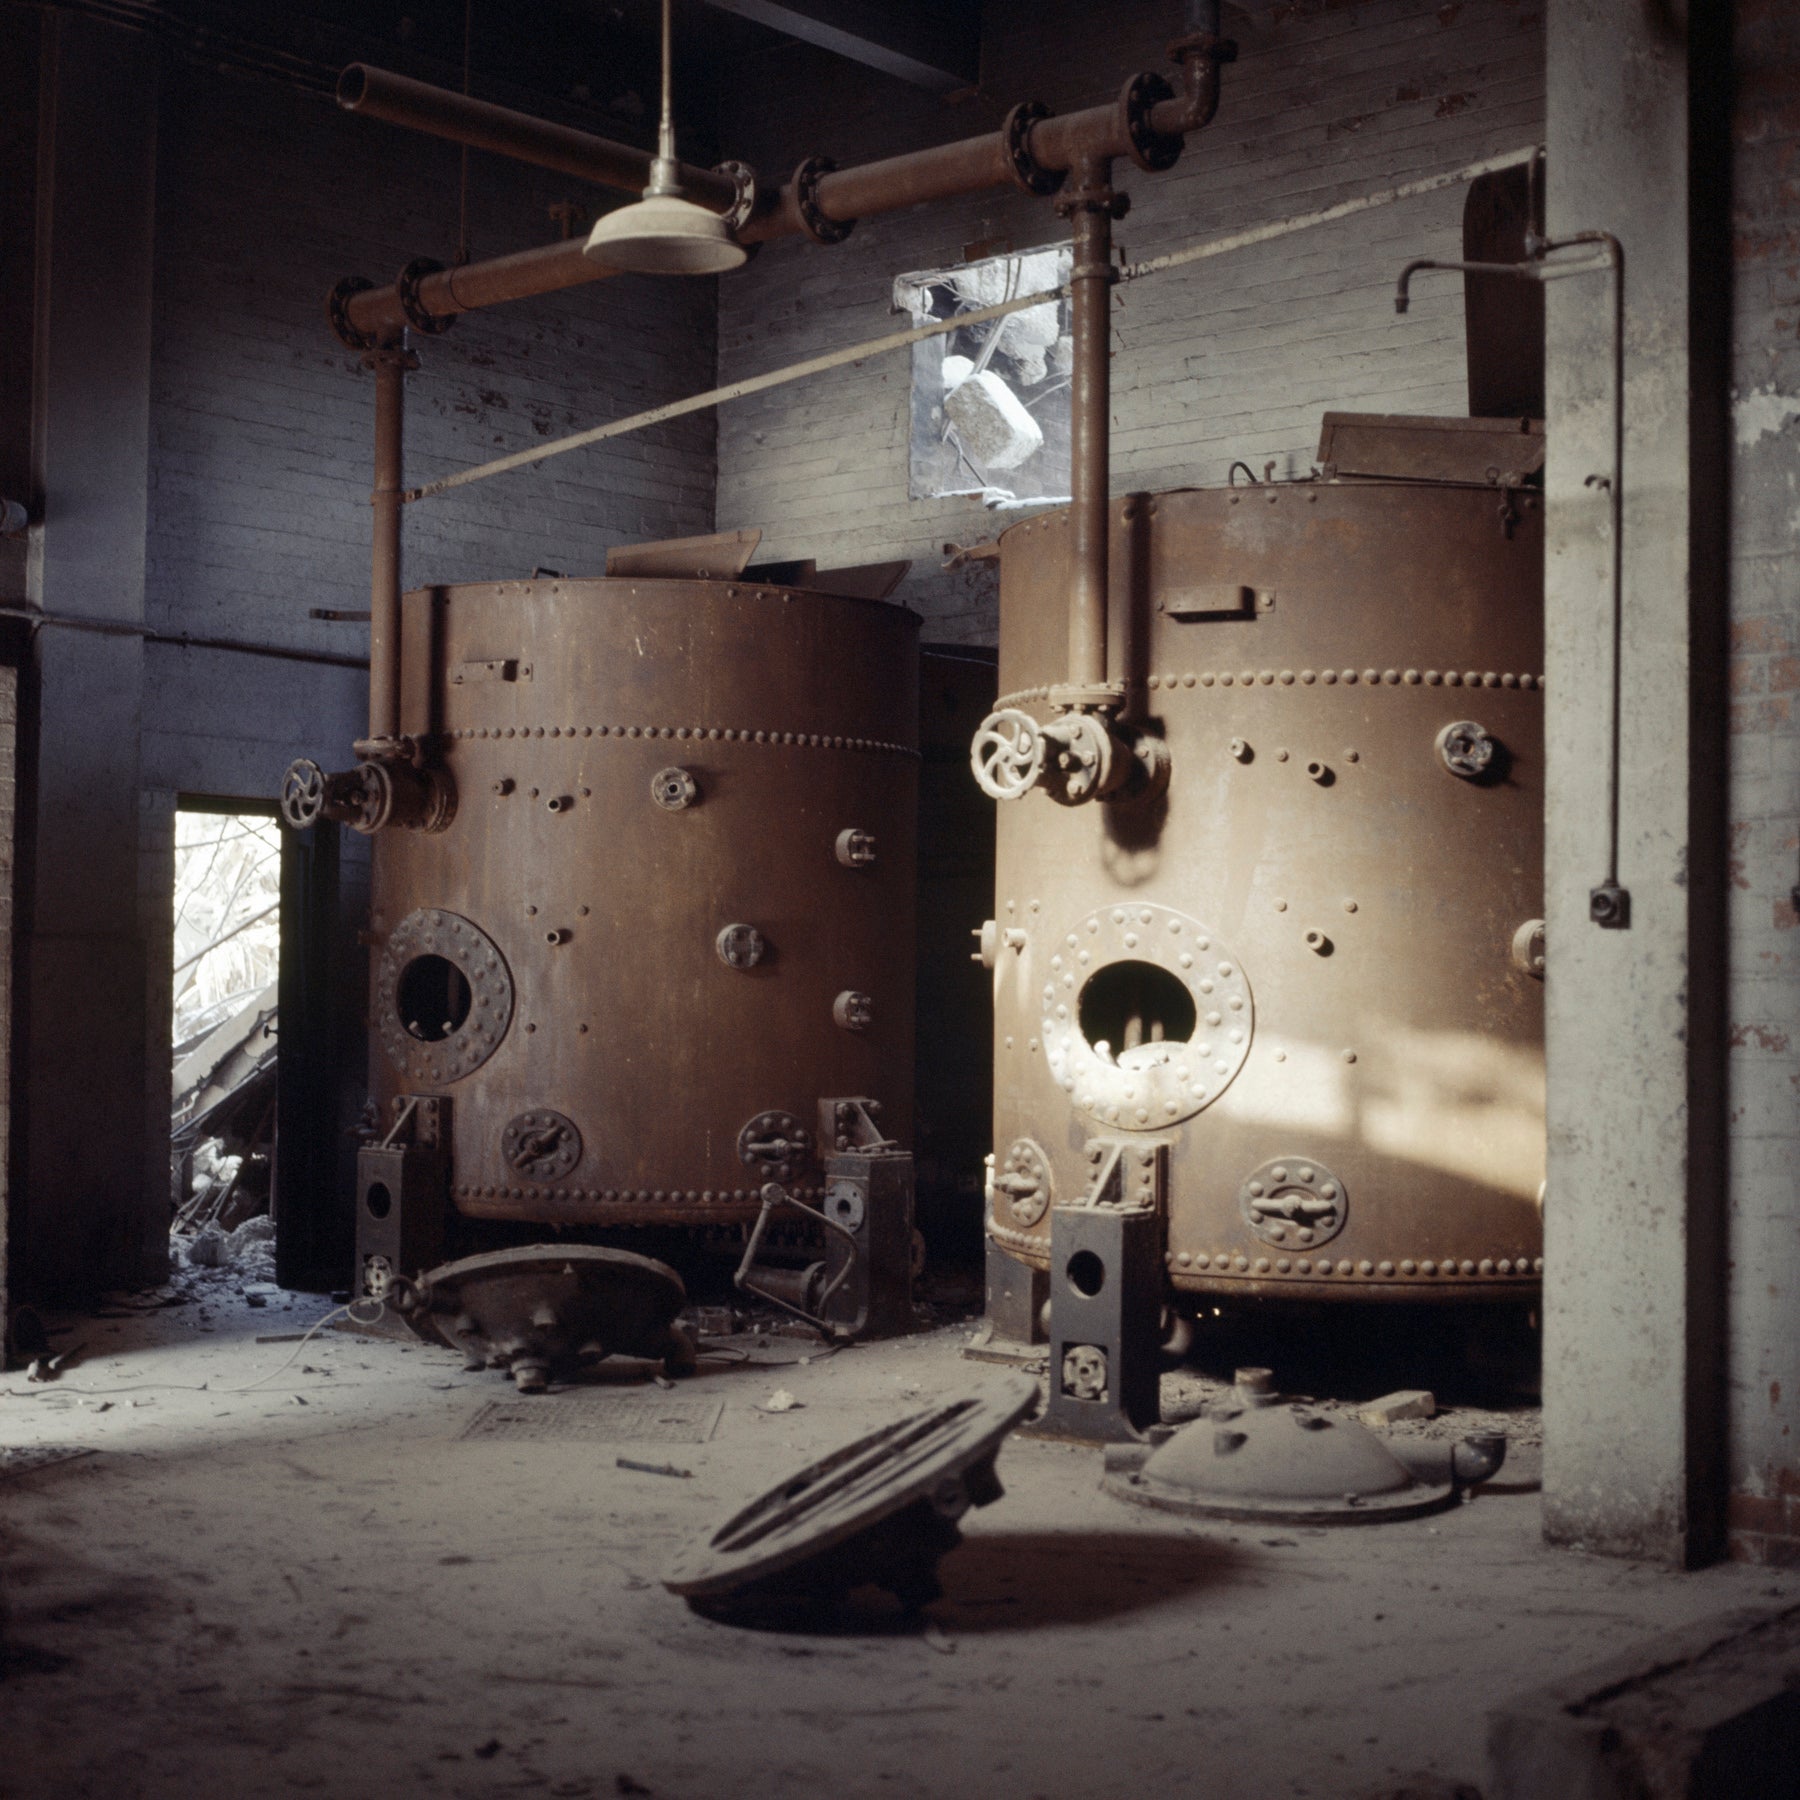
{"points": [[657, 1418]]}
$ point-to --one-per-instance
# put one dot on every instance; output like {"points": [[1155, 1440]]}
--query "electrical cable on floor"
{"points": [[744, 1359], [205, 1387]]}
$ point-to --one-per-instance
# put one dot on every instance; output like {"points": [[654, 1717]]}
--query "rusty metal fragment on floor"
{"points": [[541, 1310], [878, 1512], [25, 1459]]}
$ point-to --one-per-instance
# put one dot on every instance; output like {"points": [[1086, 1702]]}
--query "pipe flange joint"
{"points": [[1087, 697], [743, 178], [337, 308], [1150, 149], [1027, 172], [406, 287], [806, 202]]}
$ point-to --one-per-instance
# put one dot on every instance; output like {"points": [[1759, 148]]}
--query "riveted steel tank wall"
{"points": [[610, 1056], [1303, 966]]}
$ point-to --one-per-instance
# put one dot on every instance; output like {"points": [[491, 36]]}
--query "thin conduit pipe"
{"points": [[1609, 904], [900, 340], [179, 640]]}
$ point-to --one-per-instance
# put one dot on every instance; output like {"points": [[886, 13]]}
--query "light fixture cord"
{"points": [[665, 137], [462, 205]]}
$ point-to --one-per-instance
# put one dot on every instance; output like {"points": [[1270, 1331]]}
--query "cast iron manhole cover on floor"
{"points": [[657, 1418]]}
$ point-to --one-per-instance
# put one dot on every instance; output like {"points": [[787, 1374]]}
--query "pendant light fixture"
{"points": [[664, 234]]}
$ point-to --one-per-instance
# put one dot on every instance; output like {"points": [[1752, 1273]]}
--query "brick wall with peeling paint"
{"points": [[1763, 1063], [263, 423], [1232, 358]]}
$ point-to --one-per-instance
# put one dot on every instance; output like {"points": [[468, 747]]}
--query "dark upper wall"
{"points": [[261, 421], [1233, 358]]}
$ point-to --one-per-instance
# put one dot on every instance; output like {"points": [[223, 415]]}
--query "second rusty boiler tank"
{"points": [[673, 908], [1311, 965]]}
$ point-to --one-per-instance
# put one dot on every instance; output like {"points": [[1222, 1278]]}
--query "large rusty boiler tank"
{"points": [[1300, 982], [671, 911]]}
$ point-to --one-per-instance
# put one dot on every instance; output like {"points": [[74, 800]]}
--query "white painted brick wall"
{"points": [[1236, 357]]}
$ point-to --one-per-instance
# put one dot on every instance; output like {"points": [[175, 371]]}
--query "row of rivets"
{"points": [[652, 1196], [1482, 678], [715, 733], [1226, 1264]]}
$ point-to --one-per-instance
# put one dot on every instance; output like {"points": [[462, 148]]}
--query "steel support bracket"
{"points": [[403, 1195], [1106, 1286]]}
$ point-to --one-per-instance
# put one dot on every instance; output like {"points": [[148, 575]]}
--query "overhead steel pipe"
{"points": [[1033, 150], [418, 106]]}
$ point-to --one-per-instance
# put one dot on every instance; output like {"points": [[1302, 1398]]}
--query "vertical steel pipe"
{"points": [[389, 361], [1090, 407]]}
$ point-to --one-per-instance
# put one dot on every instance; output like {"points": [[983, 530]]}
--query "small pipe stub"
{"points": [[854, 848], [806, 202], [674, 790], [1027, 171], [1465, 749], [852, 1010], [741, 946], [406, 287]]}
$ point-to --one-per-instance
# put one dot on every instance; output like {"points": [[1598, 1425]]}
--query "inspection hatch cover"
{"points": [[657, 1418], [879, 1512], [21, 1459]]}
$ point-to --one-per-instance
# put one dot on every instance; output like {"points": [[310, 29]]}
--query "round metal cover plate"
{"points": [[1281, 1464], [545, 1303], [1147, 1086], [542, 1144], [921, 1457], [1293, 1202], [432, 932]]}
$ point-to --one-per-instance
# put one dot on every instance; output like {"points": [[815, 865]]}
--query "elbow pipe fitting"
{"points": [[1201, 53]]}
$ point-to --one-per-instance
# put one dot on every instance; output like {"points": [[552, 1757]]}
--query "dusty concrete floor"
{"points": [[242, 1594]]}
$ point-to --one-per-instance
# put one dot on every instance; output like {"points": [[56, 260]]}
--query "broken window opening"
{"points": [[990, 402], [226, 960]]}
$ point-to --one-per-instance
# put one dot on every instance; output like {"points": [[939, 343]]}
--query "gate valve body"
{"points": [[370, 797], [1079, 755]]}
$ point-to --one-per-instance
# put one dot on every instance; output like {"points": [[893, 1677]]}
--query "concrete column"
{"points": [[86, 1219], [1631, 1315]]}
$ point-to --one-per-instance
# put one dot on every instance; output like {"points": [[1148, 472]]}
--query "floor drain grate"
{"points": [[599, 1418]]}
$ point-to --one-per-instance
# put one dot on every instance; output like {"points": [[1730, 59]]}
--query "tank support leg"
{"points": [[1106, 1285], [1012, 1328], [402, 1195]]}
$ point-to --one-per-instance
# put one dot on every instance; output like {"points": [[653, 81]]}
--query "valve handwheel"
{"points": [[303, 794], [1007, 754]]}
